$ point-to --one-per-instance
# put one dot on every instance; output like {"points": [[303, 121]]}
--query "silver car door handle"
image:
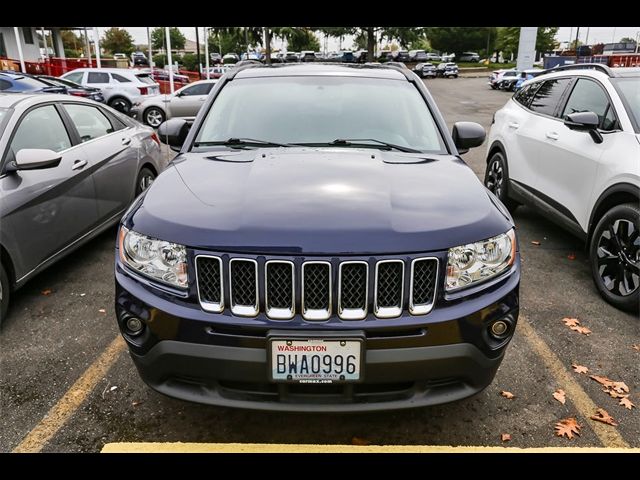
{"points": [[552, 135], [514, 125], [126, 141], [202, 99], [78, 164]]}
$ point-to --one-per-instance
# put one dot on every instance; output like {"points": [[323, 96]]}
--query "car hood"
{"points": [[318, 201]]}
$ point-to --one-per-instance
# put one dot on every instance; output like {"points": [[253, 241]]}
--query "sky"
{"points": [[595, 35]]}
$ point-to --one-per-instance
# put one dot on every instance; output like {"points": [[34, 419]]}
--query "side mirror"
{"points": [[585, 122], [173, 132], [467, 135], [34, 159]]}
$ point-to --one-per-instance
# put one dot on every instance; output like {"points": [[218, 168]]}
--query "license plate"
{"points": [[315, 360]]}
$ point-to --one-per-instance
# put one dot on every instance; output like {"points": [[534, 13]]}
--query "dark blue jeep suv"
{"points": [[318, 245]]}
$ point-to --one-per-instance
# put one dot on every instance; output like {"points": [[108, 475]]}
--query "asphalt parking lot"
{"points": [[59, 338]]}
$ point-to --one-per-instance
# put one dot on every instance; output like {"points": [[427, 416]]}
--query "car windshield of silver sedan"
{"points": [[321, 111]]}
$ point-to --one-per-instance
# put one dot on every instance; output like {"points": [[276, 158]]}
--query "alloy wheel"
{"points": [[154, 117], [618, 257], [495, 178], [145, 182]]}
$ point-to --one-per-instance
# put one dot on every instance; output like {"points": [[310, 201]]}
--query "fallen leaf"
{"points": [[571, 256], [535, 242], [507, 395], [579, 368], [582, 330], [571, 322], [102, 310], [620, 387], [505, 437], [360, 441], [613, 393], [567, 428], [560, 396], [636, 346], [46, 292], [602, 416], [626, 403], [607, 382]]}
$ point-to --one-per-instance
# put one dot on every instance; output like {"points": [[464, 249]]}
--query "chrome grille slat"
{"points": [[243, 286], [316, 290], [353, 290], [209, 280], [389, 288], [424, 274], [279, 281]]}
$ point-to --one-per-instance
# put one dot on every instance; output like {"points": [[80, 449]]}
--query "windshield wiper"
{"points": [[241, 142], [359, 142]]}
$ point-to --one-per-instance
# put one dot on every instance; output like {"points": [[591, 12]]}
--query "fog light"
{"points": [[499, 328], [134, 326]]}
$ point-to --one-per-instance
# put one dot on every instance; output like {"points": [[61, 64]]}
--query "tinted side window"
{"points": [[200, 89], [525, 95], [90, 122], [41, 128], [120, 78], [74, 77], [588, 96], [98, 77], [548, 96], [4, 84]]}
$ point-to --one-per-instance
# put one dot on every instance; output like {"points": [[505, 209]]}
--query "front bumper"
{"points": [[409, 361]]}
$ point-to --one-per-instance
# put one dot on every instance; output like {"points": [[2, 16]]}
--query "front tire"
{"points": [[4, 293], [614, 253], [154, 116], [145, 178], [496, 179]]}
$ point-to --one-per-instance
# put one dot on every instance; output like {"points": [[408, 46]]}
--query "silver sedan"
{"points": [[185, 102], [69, 169]]}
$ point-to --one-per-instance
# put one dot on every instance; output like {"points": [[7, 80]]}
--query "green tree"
{"points": [[459, 39], [627, 40], [509, 38], [234, 39], [190, 62], [73, 45], [160, 60], [117, 40], [158, 40], [367, 37], [298, 38]]}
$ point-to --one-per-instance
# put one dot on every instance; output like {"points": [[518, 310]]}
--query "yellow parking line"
{"points": [[178, 447], [608, 435], [71, 400]]}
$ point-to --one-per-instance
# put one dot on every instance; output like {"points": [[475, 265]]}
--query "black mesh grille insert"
{"points": [[353, 284], [209, 279], [243, 282], [279, 285], [424, 281], [389, 284], [316, 286]]}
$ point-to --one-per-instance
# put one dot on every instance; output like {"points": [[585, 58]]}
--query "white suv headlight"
{"points": [[475, 262], [162, 261]]}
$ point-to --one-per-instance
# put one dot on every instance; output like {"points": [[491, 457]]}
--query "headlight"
{"points": [[157, 259], [475, 262]]}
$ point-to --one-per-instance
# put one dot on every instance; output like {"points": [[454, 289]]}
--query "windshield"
{"points": [[145, 78], [629, 89], [320, 109]]}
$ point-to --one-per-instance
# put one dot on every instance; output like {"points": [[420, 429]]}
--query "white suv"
{"points": [[568, 144], [120, 87]]}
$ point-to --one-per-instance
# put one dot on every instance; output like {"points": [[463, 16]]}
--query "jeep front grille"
{"points": [[316, 289]]}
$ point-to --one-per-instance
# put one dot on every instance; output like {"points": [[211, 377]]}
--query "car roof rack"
{"points": [[583, 66]]}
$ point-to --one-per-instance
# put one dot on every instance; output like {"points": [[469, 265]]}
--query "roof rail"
{"points": [[244, 65], [583, 66]]}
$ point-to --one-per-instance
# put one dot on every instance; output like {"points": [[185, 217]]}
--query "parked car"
{"points": [[448, 57], [469, 57], [215, 58], [216, 72], [498, 75], [185, 102], [346, 56], [139, 59], [425, 70], [307, 56], [401, 56], [119, 56], [13, 82], [418, 56], [69, 169], [291, 57], [447, 69], [385, 56], [433, 57], [526, 75], [230, 58], [224, 273], [75, 89], [121, 87], [568, 144]]}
